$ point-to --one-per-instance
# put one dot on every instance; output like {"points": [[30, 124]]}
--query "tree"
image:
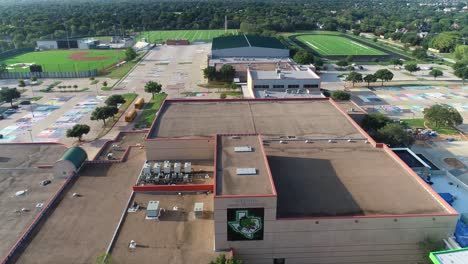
{"points": [[412, 67], [77, 131], [3, 68], [462, 73], [227, 72], [223, 96], [373, 122], [114, 100], [436, 73], [354, 77], [460, 53], [370, 78], [384, 75], [303, 57], [130, 54], [102, 113], [34, 78], [442, 116], [112, 110], [342, 63], [104, 83], [209, 73], [21, 83], [445, 41], [419, 53], [395, 62], [103, 259], [9, 94], [153, 88], [221, 259], [340, 96], [349, 59], [394, 135]]}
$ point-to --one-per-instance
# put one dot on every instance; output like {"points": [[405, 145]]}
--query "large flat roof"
{"points": [[344, 179], [228, 182], [270, 118]]}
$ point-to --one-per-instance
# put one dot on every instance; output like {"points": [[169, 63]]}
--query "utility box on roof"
{"points": [[198, 209], [152, 210]]}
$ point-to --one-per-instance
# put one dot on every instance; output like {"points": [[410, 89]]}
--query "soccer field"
{"points": [[192, 35], [64, 60], [330, 45]]}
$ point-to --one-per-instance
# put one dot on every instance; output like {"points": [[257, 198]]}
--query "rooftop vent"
{"points": [[243, 149], [246, 171]]}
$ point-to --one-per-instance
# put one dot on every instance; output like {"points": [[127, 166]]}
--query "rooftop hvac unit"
{"points": [[167, 167], [152, 210], [198, 209], [350, 140], [330, 141], [157, 168], [147, 169], [188, 167], [177, 167]]}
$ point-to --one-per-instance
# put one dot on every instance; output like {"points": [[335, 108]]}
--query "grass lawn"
{"points": [[120, 72], [106, 88], [160, 36], [419, 123], [145, 119], [63, 61], [326, 44], [35, 98]]}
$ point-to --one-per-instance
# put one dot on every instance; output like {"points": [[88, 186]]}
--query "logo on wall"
{"points": [[245, 224]]}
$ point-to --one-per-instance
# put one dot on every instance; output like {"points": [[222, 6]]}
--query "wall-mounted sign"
{"points": [[245, 224]]}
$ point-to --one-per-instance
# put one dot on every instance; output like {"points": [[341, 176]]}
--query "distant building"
{"points": [[298, 78], [67, 44], [248, 47]]}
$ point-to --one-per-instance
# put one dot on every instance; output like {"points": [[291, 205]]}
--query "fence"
{"points": [[27, 75], [10, 53]]}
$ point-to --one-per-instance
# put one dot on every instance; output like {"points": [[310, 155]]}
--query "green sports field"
{"points": [[330, 45], [65, 60], [191, 35]]}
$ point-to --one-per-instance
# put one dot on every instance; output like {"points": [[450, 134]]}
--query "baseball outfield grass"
{"points": [[329, 45], [65, 60], [192, 35]]}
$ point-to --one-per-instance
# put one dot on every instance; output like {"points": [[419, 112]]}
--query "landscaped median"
{"points": [[420, 123], [129, 98], [146, 117]]}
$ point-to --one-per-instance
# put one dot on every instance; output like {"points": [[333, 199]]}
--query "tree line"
{"points": [[23, 22]]}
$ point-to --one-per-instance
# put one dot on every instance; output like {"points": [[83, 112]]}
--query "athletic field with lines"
{"points": [[192, 35], [64, 60], [332, 45]]}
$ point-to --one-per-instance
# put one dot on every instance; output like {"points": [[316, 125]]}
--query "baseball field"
{"points": [[329, 45], [191, 35], [64, 60]]}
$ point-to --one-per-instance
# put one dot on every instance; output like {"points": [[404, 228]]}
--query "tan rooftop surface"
{"points": [[178, 237], [18, 172], [343, 179], [80, 228], [227, 180], [302, 118]]}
